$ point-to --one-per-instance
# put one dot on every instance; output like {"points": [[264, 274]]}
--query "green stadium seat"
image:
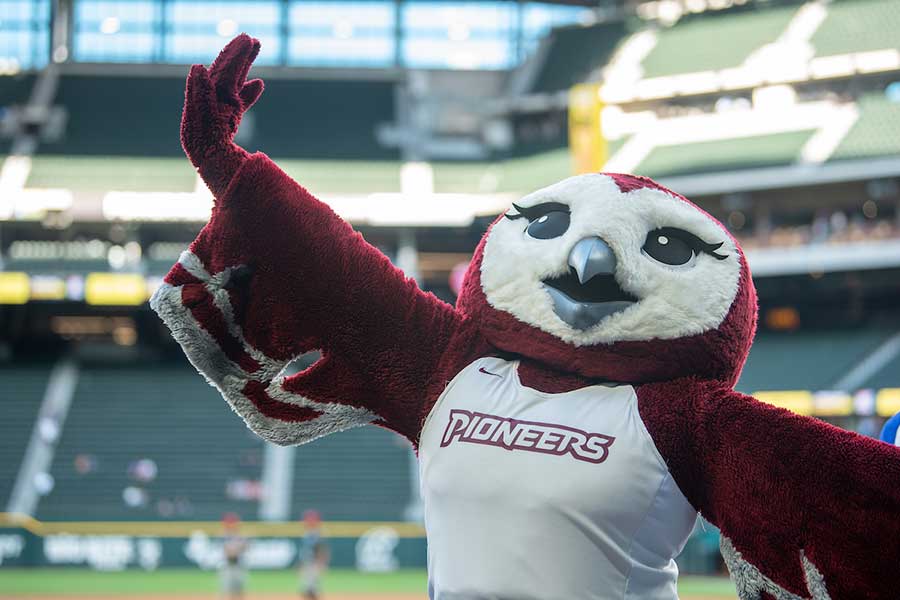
{"points": [[14, 90], [144, 120], [22, 389], [887, 376], [164, 413], [358, 475], [515, 175], [714, 41], [343, 176], [724, 155], [806, 360], [875, 133], [858, 26], [106, 173], [574, 52]]}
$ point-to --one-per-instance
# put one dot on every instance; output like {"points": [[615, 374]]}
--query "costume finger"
{"points": [[250, 92], [199, 110], [230, 68]]}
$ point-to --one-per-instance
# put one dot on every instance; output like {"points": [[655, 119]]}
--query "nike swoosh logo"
{"points": [[486, 372]]}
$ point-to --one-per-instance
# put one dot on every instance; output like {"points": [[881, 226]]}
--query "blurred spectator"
{"points": [[85, 464], [134, 497], [183, 506], [48, 427], [143, 470], [43, 483], [837, 229], [165, 508], [244, 489]]}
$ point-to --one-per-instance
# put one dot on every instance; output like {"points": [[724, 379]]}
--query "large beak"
{"points": [[592, 256], [588, 293]]}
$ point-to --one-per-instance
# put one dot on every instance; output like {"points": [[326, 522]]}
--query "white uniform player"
{"points": [[524, 491]]}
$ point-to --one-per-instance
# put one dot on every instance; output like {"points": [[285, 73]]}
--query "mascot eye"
{"points": [[676, 247], [548, 226], [545, 221]]}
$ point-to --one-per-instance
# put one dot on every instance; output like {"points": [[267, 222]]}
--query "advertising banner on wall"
{"points": [[381, 548]]}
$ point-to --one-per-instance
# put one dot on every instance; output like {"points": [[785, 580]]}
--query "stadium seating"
{"points": [[144, 120], [858, 26], [360, 474], [714, 41], [289, 122], [724, 155], [573, 52], [808, 359], [343, 176], [876, 132], [21, 391], [167, 414], [887, 376], [13, 91]]}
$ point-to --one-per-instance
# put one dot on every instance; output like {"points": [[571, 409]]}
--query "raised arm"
{"points": [[276, 273], [806, 510], [215, 100]]}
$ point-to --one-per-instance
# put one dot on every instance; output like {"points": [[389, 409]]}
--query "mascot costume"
{"points": [[572, 414]]}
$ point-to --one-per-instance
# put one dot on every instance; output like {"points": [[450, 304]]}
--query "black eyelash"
{"points": [[693, 241], [537, 211]]}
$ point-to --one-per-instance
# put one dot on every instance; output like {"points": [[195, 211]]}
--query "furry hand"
{"points": [[215, 101]]}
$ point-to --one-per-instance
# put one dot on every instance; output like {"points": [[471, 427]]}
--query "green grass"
{"points": [[82, 582]]}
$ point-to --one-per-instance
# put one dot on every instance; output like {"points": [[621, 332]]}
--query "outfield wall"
{"points": [[378, 546], [112, 546]]}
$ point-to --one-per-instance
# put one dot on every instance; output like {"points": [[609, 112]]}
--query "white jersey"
{"points": [[531, 495]]}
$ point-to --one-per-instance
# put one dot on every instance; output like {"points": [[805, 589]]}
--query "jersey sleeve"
{"points": [[275, 273], [890, 433], [806, 510]]}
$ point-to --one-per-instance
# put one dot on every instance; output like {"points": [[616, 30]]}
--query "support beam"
{"points": [[277, 481], [48, 428]]}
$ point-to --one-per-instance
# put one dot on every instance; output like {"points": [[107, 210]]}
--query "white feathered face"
{"points": [[591, 264]]}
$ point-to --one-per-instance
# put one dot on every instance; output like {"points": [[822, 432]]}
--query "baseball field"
{"points": [[190, 584]]}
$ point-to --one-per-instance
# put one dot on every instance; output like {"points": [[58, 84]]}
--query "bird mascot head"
{"points": [[614, 277]]}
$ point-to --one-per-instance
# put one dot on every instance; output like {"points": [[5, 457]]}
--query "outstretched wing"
{"points": [[803, 506], [276, 273]]}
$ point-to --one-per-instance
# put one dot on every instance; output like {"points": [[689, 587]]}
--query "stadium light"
{"points": [[227, 27], [110, 25]]}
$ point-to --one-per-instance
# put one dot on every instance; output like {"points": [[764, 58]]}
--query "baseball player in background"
{"points": [[314, 555], [233, 575]]}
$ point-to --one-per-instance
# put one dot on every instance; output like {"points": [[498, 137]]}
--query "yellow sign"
{"points": [[587, 145], [798, 401], [115, 289], [181, 529], [887, 402], [14, 288], [45, 287]]}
